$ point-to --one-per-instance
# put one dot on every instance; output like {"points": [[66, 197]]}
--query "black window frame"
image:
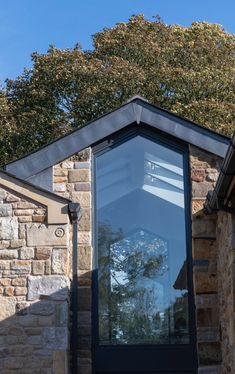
{"points": [[177, 145]]}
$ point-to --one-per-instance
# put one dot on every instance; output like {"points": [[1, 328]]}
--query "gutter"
{"points": [[215, 199], [75, 213]]}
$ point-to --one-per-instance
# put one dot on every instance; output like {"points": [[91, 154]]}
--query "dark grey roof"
{"points": [[136, 110], [215, 198]]}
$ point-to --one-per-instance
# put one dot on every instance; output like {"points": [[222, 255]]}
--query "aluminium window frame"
{"points": [[176, 145]]}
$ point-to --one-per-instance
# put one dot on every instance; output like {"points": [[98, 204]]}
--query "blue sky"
{"points": [[30, 25]]}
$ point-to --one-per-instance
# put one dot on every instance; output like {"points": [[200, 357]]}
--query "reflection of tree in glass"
{"points": [[128, 289]]}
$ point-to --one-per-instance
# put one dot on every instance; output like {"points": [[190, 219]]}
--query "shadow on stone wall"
{"points": [[34, 336]]}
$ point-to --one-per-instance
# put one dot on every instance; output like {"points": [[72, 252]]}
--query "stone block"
{"points": [[84, 369], [201, 189], [53, 286], [23, 212], [21, 308], [84, 257], [7, 308], [41, 235], [26, 253], [4, 244], [42, 308], [12, 198], [8, 254], [84, 330], [60, 179], [34, 340], [208, 334], [209, 353], [21, 266], [8, 228], [197, 205], [83, 198], [79, 175], [62, 314], [22, 231], [48, 267], [43, 253], [208, 317], [14, 330], [4, 265], [60, 362], [58, 172], [58, 187], [18, 243], [38, 267], [21, 291], [24, 205], [59, 261], [39, 219], [70, 187], [207, 301], [25, 219], [205, 283], [3, 194], [212, 177], [5, 282], [5, 210], [9, 291], [209, 370], [46, 321], [84, 237], [67, 164], [21, 282], [55, 338], [84, 342], [33, 331], [204, 249], [82, 186], [84, 318], [27, 320], [204, 228], [198, 175], [85, 221], [82, 165], [13, 364]]}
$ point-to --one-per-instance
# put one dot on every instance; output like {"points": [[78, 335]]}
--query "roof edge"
{"points": [[226, 175], [57, 206], [135, 98], [135, 111]]}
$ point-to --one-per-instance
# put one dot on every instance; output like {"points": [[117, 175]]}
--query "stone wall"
{"points": [[35, 271], [204, 173], [226, 277], [34, 289], [72, 179]]}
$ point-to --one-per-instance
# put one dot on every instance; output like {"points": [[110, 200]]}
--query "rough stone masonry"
{"points": [[35, 274], [34, 288]]}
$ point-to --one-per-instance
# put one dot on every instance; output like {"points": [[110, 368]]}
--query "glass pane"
{"points": [[143, 297]]}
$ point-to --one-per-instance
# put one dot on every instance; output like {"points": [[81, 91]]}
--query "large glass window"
{"points": [[141, 244]]}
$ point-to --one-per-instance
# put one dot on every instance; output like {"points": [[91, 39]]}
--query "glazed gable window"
{"points": [[140, 240]]}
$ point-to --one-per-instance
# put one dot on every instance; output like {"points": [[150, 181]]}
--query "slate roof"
{"points": [[136, 111]]}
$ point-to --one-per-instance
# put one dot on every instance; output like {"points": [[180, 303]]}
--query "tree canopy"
{"points": [[187, 70]]}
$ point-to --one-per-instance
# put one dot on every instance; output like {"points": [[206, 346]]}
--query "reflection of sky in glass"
{"points": [[140, 193]]}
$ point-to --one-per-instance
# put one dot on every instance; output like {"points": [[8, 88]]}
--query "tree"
{"points": [[188, 70]]}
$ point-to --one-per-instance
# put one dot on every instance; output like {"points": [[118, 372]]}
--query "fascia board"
{"points": [[57, 207], [137, 111]]}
